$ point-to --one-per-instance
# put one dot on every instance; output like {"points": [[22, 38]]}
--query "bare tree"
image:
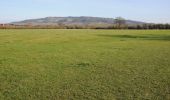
{"points": [[120, 22]]}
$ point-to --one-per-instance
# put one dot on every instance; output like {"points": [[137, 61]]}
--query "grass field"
{"points": [[84, 64]]}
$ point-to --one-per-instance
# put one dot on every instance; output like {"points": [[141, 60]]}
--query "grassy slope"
{"points": [[84, 64]]}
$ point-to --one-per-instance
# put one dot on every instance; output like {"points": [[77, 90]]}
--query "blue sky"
{"points": [[157, 11]]}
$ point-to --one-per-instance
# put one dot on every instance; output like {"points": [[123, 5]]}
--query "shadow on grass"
{"points": [[144, 37]]}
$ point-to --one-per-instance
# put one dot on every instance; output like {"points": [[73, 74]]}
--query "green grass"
{"points": [[84, 64]]}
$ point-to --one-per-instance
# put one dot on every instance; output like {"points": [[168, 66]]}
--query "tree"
{"points": [[120, 22], [145, 26], [167, 26], [138, 27]]}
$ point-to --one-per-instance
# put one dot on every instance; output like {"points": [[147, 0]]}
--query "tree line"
{"points": [[120, 23]]}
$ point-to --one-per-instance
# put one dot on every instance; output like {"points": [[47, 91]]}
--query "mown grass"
{"points": [[84, 64]]}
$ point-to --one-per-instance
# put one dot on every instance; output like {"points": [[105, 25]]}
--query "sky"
{"points": [[156, 11]]}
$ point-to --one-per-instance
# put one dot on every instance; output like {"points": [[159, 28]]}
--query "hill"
{"points": [[73, 21]]}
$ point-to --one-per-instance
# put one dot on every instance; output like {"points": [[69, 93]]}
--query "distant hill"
{"points": [[72, 21]]}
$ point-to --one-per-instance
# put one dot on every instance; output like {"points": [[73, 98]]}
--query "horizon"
{"points": [[153, 11], [78, 16], [68, 17]]}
